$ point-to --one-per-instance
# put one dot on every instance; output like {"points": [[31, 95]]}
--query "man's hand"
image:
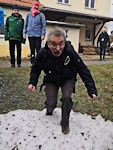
{"points": [[24, 36], [92, 97], [31, 87], [42, 37]]}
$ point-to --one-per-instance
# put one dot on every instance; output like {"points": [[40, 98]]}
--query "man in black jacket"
{"points": [[103, 39], [61, 64]]}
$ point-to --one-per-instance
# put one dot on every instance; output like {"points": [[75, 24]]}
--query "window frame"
{"points": [[90, 38], [63, 2], [89, 4]]}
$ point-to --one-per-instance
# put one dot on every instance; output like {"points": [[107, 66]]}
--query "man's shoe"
{"points": [[12, 65], [19, 65], [65, 129], [49, 113]]}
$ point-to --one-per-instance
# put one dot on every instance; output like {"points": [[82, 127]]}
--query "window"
{"points": [[90, 3], [60, 1], [88, 35], [63, 1]]}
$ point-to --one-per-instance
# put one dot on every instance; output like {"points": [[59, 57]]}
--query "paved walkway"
{"points": [[98, 62], [6, 64]]}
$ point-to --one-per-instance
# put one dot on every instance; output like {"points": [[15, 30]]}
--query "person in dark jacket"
{"points": [[61, 63], [35, 28], [103, 39], [14, 33]]}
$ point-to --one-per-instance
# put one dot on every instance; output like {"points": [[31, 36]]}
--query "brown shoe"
{"points": [[65, 129]]}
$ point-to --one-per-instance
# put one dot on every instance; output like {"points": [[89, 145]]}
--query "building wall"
{"points": [[102, 7], [110, 26], [4, 45], [73, 36], [82, 40]]}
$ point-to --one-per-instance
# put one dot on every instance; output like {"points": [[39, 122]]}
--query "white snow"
{"points": [[33, 130]]}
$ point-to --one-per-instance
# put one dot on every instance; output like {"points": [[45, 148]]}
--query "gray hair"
{"points": [[56, 32]]}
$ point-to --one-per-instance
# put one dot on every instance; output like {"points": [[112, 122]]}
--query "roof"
{"points": [[23, 3], [19, 2], [54, 14], [64, 24], [59, 14]]}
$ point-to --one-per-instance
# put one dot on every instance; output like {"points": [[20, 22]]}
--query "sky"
{"points": [[33, 130]]}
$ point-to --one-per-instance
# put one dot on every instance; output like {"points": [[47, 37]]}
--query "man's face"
{"points": [[56, 45], [36, 6], [15, 12], [103, 30]]}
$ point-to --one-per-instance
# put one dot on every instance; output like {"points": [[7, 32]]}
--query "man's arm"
{"points": [[25, 26], [108, 40], [85, 75], [98, 40], [6, 29], [35, 71], [43, 26]]}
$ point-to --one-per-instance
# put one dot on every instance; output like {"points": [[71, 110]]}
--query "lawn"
{"points": [[14, 94]]}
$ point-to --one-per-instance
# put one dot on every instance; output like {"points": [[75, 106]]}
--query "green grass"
{"points": [[14, 94]]}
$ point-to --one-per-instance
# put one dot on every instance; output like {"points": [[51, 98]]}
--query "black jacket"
{"points": [[60, 69], [103, 39]]}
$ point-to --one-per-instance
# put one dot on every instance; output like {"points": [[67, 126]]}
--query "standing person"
{"points": [[61, 63], [103, 39], [14, 33], [35, 28], [1, 16]]}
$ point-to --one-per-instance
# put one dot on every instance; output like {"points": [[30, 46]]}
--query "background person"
{"points": [[61, 64], [1, 16], [35, 28], [1, 21], [14, 33], [103, 39]]}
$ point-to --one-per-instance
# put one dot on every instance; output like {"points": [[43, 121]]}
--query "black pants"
{"points": [[102, 52], [51, 92], [35, 45], [12, 44]]}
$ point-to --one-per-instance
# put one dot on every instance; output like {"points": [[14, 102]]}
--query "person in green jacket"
{"points": [[14, 33]]}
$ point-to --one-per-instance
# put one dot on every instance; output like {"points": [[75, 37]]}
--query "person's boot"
{"points": [[32, 59], [104, 58], [19, 65], [49, 109], [100, 58], [66, 109], [49, 112], [65, 129], [12, 66]]}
